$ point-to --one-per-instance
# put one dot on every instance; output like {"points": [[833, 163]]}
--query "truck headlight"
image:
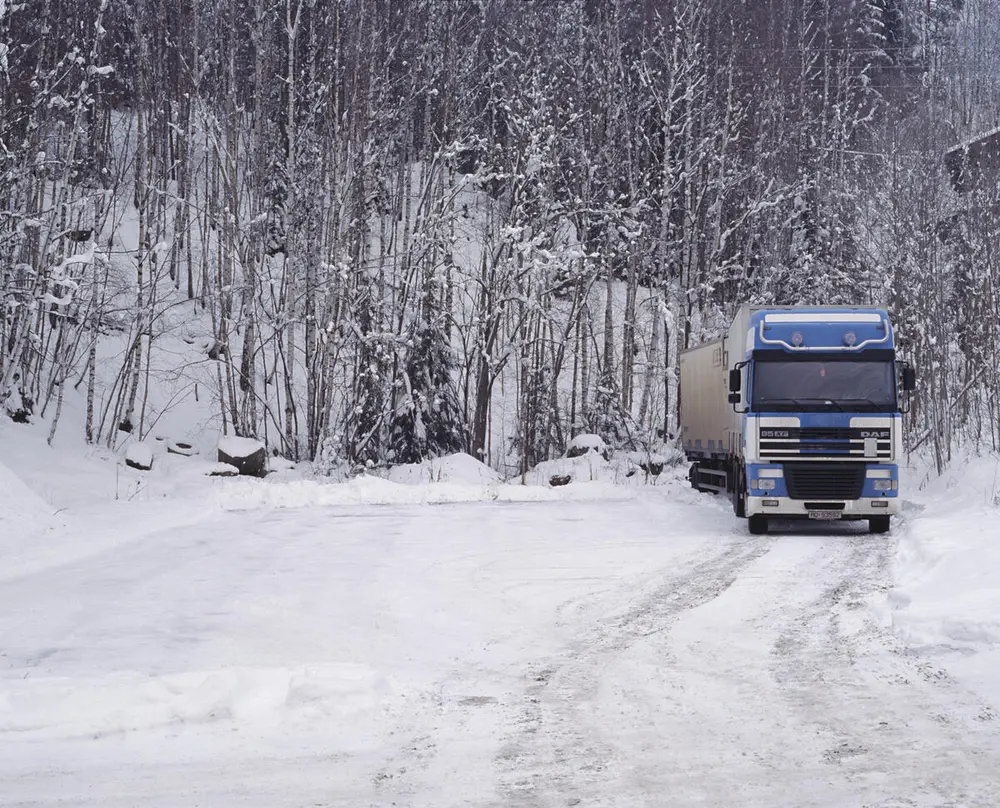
{"points": [[884, 485], [765, 484]]}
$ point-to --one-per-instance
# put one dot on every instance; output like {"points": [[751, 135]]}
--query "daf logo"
{"points": [[874, 433]]}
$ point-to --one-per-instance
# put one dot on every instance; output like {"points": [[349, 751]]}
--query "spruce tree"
{"points": [[429, 421]]}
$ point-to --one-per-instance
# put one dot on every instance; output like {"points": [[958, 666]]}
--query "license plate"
{"points": [[824, 514]]}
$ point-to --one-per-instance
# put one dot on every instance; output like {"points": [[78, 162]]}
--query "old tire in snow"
{"points": [[757, 524]]}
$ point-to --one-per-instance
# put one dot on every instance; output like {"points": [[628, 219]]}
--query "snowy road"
{"points": [[639, 653]]}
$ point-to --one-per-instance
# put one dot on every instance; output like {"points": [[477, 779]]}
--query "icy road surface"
{"points": [[639, 653]]}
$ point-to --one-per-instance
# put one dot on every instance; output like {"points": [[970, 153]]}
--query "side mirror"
{"points": [[734, 398], [909, 378], [735, 382]]}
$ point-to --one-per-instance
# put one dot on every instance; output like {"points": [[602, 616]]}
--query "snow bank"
{"points": [[620, 470], [244, 494], [22, 512], [39, 709], [948, 561], [456, 468]]}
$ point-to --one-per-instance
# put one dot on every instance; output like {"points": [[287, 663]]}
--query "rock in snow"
{"points": [[139, 456], [222, 470], [586, 444], [246, 454]]}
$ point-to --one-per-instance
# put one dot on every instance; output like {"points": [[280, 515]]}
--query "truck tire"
{"points": [[878, 524], [757, 524], [739, 481]]}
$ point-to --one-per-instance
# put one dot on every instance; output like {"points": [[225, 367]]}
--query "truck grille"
{"points": [[820, 481], [782, 442]]}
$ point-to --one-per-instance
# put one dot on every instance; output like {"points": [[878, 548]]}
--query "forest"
{"points": [[416, 227]]}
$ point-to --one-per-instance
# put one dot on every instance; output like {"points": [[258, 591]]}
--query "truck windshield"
{"points": [[844, 385]]}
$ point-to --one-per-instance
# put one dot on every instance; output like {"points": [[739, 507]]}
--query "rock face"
{"points": [[246, 454], [139, 456]]}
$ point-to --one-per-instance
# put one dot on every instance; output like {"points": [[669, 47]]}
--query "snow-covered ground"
{"points": [[442, 638]]}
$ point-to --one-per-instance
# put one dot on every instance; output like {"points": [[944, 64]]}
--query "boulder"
{"points": [[139, 456], [222, 470], [560, 479], [248, 455], [588, 443]]}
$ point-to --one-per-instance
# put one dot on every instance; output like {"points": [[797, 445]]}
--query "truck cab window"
{"points": [[806, 385]]}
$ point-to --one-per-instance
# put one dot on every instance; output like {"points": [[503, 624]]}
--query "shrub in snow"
{"points": [[248, 455], [651, 466], [18, 405], [430, 421], [588, 443], [139, 456]]}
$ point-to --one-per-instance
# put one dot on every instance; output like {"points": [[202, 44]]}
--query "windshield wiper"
{"points": [[873, 404], [801, 402]]}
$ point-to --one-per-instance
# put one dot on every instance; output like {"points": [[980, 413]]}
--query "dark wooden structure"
{"points": [[974, 162]]}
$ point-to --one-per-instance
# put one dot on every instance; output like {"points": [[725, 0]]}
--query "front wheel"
{"points": [[757, 524], [739, 490], [878, 524]]}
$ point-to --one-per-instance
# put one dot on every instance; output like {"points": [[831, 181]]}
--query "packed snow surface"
{"points": [[22, 513], [294, 642]]}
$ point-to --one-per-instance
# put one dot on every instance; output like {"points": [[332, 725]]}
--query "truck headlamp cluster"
{"points": [[884, 485], [766, 484]]}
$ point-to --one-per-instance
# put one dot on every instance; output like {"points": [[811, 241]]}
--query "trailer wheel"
{"points": [[878, 524], [757, 524]]}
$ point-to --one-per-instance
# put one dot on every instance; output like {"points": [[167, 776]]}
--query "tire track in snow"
{"points": [[549, 759], [893, 723]]}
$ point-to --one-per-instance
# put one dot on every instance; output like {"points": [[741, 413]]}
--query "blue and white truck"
{"points": [[795, 413]]}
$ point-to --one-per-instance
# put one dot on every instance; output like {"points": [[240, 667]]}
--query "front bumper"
{"points": [[788, 508]]}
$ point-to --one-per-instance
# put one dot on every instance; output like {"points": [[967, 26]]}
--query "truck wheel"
{"points": [[739, 490], [878, 524], [758, 524]]}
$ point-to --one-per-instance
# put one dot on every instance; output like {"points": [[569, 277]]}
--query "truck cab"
{"points": [[813, 426]]}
